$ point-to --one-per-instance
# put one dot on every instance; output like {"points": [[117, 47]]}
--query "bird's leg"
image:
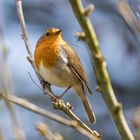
{"points": [[47, 85], [64, 92], [60, 97]]}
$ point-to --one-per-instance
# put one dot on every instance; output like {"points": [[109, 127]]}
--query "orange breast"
{"points": [[45, 52]]}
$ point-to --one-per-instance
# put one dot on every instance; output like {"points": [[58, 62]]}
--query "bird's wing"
{"points": [[75, 65]]}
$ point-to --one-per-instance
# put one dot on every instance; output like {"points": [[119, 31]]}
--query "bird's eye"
{"points": [[47, 34]]}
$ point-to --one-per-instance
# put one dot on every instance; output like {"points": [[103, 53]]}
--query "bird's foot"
{"points": [[45, 84], [55, 98], [46, 88]]}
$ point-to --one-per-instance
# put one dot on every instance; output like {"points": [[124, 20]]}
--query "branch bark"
{"points": [[65, 108], [31, 107], [6, 82], [1, 134], [46, 86], [103, 79], [16, 126], [44, 131]]}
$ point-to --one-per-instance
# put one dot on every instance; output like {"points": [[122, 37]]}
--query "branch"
{"points": [[44, 131], [1, 134], [7, 85], [66, 109], [29, 106], [46, 86], [103, 79], [46, 89], [17, 129], [136, 122], [124, 10]]}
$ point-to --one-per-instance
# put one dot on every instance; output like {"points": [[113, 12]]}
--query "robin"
{"points": [[60, 65]]}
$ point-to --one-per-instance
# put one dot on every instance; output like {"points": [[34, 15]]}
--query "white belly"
{"points": [[59, 76]]}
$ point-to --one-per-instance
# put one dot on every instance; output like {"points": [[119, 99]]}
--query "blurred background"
{"points": [[117, 25]]}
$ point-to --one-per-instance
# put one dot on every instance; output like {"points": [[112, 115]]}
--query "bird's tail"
{"points": [[86, 103]]}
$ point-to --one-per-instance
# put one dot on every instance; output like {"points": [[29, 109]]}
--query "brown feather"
{"points": [[86, 103], [75, 65]]}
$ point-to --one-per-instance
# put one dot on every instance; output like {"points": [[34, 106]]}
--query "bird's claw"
{"points": [[55, 98], [45, 84]]}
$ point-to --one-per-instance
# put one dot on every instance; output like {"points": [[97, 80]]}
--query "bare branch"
{"points": [[103, 79], [17, 129], [125, 11], [7, 85], [46, 88], [44, 131], [27, 105], [66, 109], [1, 134]]}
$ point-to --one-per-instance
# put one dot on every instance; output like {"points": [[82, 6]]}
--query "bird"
{"points": [[58, 63]]}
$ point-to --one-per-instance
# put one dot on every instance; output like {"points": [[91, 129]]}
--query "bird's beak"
{"points": [[59, 31]]}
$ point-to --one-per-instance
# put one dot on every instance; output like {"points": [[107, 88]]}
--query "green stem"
{"points": [[103, 79]]}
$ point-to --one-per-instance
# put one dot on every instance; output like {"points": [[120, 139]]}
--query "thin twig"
{"points": [[124, 10], [103, 79], [46, 88], [64, 108], [1, 134], [17, 129], [27, 105], [44, 131], [34, 81]]}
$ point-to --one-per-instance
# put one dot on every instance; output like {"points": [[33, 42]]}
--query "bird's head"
{"points": [[50, 36], [53, 32]]}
